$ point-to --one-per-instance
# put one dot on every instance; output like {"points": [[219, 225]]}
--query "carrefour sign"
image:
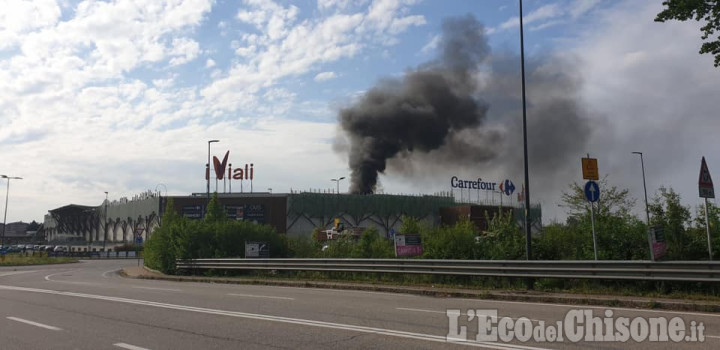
{"points": [[506, 186]]}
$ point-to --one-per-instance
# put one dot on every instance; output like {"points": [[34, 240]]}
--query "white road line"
{"points": [[580, 306], [712, 336], [340, 290], [15, 273], [47, 278], [34, 323], [444, 313], [259, 296], [155, 288], [105, 274], [270, 318], [129, 347]]}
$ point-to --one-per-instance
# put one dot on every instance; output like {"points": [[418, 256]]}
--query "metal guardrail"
{"points": [[691, 271]]}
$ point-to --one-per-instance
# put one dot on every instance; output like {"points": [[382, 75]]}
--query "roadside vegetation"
{"points": [[21, 260], [620, 234]]}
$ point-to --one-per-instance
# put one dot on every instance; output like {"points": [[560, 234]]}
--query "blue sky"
{"points": [[122, 95]]}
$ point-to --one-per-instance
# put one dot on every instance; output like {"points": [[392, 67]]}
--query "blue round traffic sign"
{"points": [[592, 191]]}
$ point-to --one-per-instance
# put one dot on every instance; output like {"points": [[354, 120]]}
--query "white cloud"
{"points": [[550, 15], [184, 50], [209, 63], [581, 7], [431, 45], [18, 17], [282, 48], [325, 76], [542, 13]]}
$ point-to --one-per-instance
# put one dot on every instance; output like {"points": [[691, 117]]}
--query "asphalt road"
{"points": [[89, 306]]}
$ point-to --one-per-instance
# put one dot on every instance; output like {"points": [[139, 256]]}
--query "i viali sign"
{"points": [[223, 168]]}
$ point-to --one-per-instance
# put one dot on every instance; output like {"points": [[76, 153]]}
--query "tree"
{"points": [[613, 201], [707, 10], [215, 212], [668, 213], [620, 235]]}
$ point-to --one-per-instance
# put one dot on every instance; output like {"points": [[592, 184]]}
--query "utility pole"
{"points": [[106, 222]]}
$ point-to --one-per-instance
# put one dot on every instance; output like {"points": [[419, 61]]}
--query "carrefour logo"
{"points": [[475, 185], [506, 186]]}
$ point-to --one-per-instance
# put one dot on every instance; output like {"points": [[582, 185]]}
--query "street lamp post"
{"points": [[7, 194], [105, 226], [647, 210], [208, 170], [338, 183], [528, 250]]}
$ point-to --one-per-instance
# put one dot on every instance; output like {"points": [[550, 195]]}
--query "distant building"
{"points": [[17, 232]]}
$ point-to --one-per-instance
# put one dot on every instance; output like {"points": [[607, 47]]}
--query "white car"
{"points": [[60, 249]]}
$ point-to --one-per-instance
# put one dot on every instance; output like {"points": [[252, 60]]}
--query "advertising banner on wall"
{"points": [[192, 211], [235, 212], [408, 245], [255, 213]]}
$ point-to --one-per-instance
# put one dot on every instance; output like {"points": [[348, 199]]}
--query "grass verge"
{"points": [[19, 260]]}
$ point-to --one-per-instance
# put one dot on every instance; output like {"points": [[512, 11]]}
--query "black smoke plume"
{"points": [[419, 112], [463, 113]]}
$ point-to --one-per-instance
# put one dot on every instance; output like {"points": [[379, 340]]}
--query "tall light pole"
{"points": [[7, 194], [105, 226], [338, 183], [528, 249], [208, 170], [647, 210]]}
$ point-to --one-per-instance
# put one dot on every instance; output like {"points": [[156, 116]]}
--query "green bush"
{"points": [[213, 237]]}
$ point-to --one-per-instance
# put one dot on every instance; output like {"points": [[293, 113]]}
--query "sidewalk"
{"points": [[140, 272]]}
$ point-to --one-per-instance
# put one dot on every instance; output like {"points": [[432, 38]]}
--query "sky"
{"points": [[122, 96]]}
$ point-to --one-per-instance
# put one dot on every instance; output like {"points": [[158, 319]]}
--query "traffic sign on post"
{"points": [[705, 184], [707, 190], [592, 191], [590, 169]]}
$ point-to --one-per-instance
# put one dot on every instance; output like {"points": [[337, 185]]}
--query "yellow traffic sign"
{"points": [[590, 169]]}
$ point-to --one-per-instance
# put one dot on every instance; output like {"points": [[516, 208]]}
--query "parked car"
{"points": [[29, 247], [60, 248], [36, 247]]}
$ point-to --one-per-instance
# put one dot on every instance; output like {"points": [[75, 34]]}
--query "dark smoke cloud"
{"points": [[419, 112], [463, 113]]}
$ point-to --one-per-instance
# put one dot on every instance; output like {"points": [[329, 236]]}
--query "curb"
{"points": [[535, 297]]}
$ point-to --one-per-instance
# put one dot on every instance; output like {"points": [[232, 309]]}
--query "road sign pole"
{"points": [[592, 222], [707, 227]]}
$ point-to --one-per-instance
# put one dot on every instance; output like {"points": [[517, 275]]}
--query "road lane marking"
{"points": [[445, 313], [280, 319], [259, 296], [15, 273], [47, 278], [52, 328], [104, 274], [155, 288], [129, 347], [580, 306], [712, 336], [344, 291]]}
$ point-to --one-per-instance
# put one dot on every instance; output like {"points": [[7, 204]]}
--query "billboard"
{"points": [[408, 245], [192, 211]]}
